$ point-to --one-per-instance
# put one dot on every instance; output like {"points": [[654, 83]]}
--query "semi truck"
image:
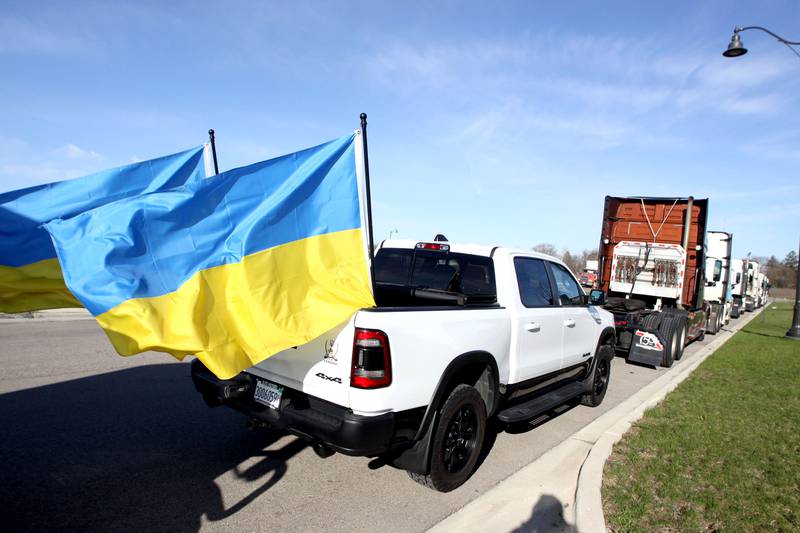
{"points": [[718, 291], [762, 289], [652, 276], [752, 290], [738, 287]]}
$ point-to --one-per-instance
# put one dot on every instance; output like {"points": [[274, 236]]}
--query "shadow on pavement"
{"points": [[547, 516], [135, 449]]}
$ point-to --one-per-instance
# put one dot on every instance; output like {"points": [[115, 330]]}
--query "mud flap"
{"points": [[647, 347]]}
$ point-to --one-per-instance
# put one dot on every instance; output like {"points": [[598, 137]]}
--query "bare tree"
{"points": [[546, 248], [574, 262]]}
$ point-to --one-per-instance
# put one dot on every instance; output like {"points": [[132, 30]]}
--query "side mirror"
{"points": [[597, 297]]}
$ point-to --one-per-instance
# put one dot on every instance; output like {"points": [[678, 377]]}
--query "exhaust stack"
{"points": [[687, 223]]}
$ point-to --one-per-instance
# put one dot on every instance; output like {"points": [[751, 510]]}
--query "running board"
{"points": [[541, 404]]}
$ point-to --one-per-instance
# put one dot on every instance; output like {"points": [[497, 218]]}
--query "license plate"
{"points": [[268, 393]]}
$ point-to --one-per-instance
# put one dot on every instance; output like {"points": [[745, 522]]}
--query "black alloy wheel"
{"points": [[601, 377], [461, 439], [457, 440]]}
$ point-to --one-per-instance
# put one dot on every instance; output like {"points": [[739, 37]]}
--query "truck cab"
{"points": [[718, 291], [652, 274]]}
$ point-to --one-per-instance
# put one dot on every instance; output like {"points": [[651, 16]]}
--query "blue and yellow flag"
{"points": [[233, 269], [30, 276]]}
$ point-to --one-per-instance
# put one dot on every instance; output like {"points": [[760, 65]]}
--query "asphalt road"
{"points": [[94, 441]]}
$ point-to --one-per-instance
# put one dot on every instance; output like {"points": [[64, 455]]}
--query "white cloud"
{"points": [[72, 151]]}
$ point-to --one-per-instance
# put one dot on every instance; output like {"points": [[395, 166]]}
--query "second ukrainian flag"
{"points": [[233, 269]]}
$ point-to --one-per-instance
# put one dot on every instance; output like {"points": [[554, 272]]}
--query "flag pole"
{"points": [[369, 200], [213, 149]]}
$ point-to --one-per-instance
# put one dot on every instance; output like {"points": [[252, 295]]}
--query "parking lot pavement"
{"points": [[92, 440]]}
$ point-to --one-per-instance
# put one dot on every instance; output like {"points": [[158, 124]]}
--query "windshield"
{"points": [[404, 270]]}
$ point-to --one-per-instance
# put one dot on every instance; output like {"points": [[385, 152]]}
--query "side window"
{"points": [[717, 270], [534, 285], [569, 293]]}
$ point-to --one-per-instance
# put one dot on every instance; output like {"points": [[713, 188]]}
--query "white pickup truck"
{"points": [[461, 333]]}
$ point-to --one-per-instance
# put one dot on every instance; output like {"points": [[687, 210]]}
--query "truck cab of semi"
{"points": [[718, 279], [738, 283], [652, 274], [753, 289]]}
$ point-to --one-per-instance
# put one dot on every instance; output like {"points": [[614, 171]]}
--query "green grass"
{"points": [[722, 452]]}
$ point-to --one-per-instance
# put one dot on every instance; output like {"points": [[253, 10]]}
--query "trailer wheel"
{"points": [[669, 331]]}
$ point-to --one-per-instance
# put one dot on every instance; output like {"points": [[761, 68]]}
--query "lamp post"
{"points": [[736, 49], [794, 331]]}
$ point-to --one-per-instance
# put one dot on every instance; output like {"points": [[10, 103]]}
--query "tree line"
{"points": [[575, 261], [781, 274]]}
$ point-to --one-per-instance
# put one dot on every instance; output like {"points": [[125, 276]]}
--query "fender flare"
{"points": [[607, 332], [450, 371]]}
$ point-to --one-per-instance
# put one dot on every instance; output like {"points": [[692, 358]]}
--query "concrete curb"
{"points": [[561, 489]]}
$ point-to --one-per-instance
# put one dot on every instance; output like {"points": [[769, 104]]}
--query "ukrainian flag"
{"points": [[234, 269], [30, 276]]}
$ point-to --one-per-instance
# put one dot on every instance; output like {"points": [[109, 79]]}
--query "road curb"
{"points": [[560, 491], [588, 509]]}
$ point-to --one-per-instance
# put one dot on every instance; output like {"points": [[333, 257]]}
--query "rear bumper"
{"points": [[306, 416]]}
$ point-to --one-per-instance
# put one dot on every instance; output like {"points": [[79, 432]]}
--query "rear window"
{"points": [[463, 274]]}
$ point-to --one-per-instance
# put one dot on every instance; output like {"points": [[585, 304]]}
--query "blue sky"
{"points": [[497, 123]]}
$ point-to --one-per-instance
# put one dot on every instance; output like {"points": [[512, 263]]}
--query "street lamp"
{"points": [[736, 49], [794, 331]]}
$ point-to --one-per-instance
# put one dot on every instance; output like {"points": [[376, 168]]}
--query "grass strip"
{"points": [[721, 452]]}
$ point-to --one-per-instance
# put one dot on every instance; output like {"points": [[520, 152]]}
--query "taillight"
{"points": [[372, 362], [620, 323]]}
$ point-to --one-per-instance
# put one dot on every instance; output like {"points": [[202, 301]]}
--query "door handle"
{"points": [[533, 327], [569, 323]]}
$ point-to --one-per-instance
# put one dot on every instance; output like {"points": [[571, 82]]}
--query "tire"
{"points": [[601, 375], [683, 331], [457, 440], [652, 321], [669, 331], [712, 324]]}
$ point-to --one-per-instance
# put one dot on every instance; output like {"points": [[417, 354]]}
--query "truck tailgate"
{"points": [[320, 368]]}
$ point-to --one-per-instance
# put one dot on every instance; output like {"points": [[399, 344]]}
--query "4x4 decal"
{"points": [[328, 378]]}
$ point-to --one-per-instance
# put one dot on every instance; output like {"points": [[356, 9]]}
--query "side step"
{"points": [[541, 404]]}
